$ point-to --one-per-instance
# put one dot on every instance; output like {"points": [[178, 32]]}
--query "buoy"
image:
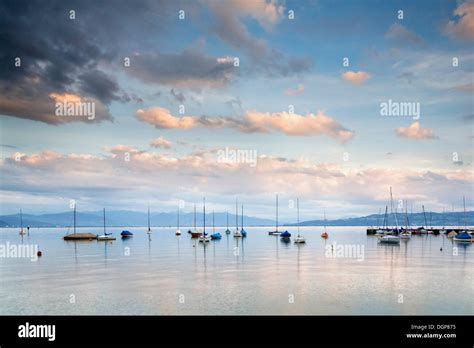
{"points": [[39, 253], [440, 249]]}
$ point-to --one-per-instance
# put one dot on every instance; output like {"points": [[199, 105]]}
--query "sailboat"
{"points": [[78, 236], [106, 236], [204, 238], [149, 228], [463, 236], [178, 231], [381, 231], [285, 236], [242, 231], [406, 234], [195, 233], [276, 232], [227, 231], [214, 235], [299, 239], [22, 232], [237, 233], [424, 230], [324, 235], [391, 239]]}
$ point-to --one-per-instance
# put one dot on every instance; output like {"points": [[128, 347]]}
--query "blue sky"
{"points": [[283, 63]]}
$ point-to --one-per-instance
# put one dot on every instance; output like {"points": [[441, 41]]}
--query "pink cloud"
{"points": [[253, 122], [162, 118], [294, 124], [291, 92], [161, 142], [462, 28], [414, 131], [356, 77]]}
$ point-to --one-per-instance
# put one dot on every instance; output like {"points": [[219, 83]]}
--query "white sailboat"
{"points": [[406, 234], [276, 232], [391, 239], [204, 238], [299, 239], [237, 233], [106, 236], [22, 232], [178, 231]]}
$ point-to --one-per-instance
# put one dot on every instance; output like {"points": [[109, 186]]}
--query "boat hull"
{"points": [[80, 236]]}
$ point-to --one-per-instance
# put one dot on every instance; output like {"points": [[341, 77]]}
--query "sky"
{"points": [[298, 87]]}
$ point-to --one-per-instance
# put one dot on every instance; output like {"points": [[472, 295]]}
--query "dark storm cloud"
{"points": [[98, 84], [191, 68], [61, 55], [178, 96]]}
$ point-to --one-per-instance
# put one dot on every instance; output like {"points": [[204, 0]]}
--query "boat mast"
{"points": [[424, 214], [178, 219], [213, 223], [378, 218], [204, 210], [236, 216], [298, 215], [149, 229], [104, 223], [21, 221], [277, 212], [194, 217], [74, 217], [242, 217], [227, 220], [464, 204], [406, 215], [324, 219], [391, 208]]}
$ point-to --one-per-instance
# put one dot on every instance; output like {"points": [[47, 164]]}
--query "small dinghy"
{"points": [[215, 236], [285, 236], [126, 234], [463, 237]]}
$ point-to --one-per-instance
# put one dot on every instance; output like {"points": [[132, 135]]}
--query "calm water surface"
{"points": [[255, 275]]}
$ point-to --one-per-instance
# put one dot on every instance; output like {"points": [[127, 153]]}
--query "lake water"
{"points": [[256, 275]]}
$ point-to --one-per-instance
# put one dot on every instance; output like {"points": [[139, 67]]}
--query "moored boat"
{"points": [[78, 236], [204, 238], [463, 237], [299, 238], [106, 236], [276, 232], [126, 234]]}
